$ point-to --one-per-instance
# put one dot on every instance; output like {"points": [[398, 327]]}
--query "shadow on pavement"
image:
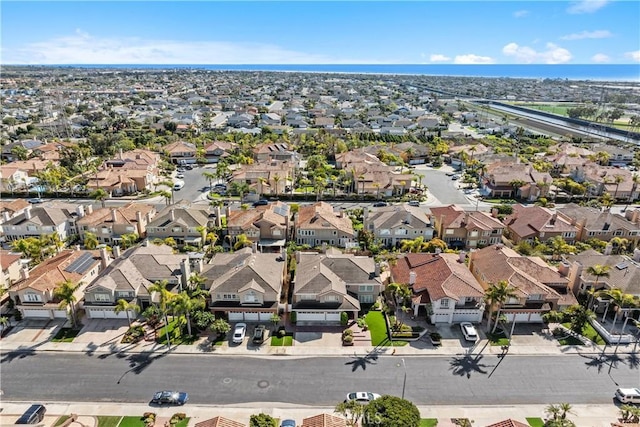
{"points": [[370, 358]]}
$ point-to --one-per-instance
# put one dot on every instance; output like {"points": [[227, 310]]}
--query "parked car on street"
{"points": [[167, 397], [414, 203], [469, 331], [180, 175], [35, 200], [628, 395], [33, 415], [380, 204], [261, 202], [288, 423], [362, 396], [239, 333]]}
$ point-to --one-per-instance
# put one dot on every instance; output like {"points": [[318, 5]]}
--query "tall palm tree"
{"points": [[126, 306], [65, 292], [498, 294], [241, 241], [100, 194], [620, 300], [90, 240], [276, 180], [183, 305], [210, 176], [160, 287], [401, 293]]}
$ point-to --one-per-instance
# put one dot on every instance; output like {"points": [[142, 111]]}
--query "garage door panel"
{"points": [[333, 317], [235, 317], [36, 313], [251, 317], [60, 314], [309, 317], [265, 317]]}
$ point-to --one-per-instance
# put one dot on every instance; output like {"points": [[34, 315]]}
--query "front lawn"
{"points": [[285, 341], [183, 423], [498, 338], [535, 422], [66, 335], [177, 334], [428, 422], [570, 340], [131, 422], [108, 421], [378, 329], [588, 332]]}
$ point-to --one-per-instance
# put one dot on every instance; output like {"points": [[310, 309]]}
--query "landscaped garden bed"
{"points": [[133, 335], [66, 335], [589, 333]]}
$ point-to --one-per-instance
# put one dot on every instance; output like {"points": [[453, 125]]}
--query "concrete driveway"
{"points": [[101, 331], [33, 331]]}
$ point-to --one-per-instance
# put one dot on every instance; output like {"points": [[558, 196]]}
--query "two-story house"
{"points": [[470, 229], [245, 285], [127, 173], [11, 268], [269, 225], [181, 152], [48, 218], [623, 273], [270, 177], [34, 295], [442, 287], [317, 224], [527, 223], [604, 225], [217, 150], [109, 224], [277, 151], [180, 222], [505, 179], [391, 225], [11, 209], [538, 287], [328, 284]]}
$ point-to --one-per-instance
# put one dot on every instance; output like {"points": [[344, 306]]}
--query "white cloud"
{"points": [[635, 56], [552, 55], [600, 58], [520, 13], [598, 34], [439, 58], [470, 58], [586, 6], [82, 48]]}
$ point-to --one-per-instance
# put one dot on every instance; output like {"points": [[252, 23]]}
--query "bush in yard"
{"points": [[344, 318], [262, 420], [391, 411], [293, 317]]}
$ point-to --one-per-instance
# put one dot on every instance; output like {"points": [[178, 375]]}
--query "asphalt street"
{"points": [[453, 380], [442, 186]]}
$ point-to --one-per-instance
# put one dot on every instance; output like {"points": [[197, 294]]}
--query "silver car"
{"points": [[239, 333], [469, 331]]}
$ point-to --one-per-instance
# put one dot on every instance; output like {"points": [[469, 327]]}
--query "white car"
{"points": [[362, 396], [180, 175], [469, 331], [239, 333]]}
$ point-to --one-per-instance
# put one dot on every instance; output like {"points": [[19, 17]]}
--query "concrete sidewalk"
{"points": [[582, 415]]}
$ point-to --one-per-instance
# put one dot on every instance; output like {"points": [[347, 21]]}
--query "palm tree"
{"points": [[90, 240], [4, 322], [160, 287], [126, 306], [498, 294], [621, 301], [203, 234], [352, 410], [128, 240], [636, 180], [276, 180], [558, 415], [65, 292], [183, 305], [210, 176], [168, 195], [100, 194], [413, 245], [241, 241], [401, 293], [598, 271], [617, 180], [516, 184]]}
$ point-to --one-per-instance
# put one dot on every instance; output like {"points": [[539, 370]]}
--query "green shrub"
{"points": [[293, 317], [344, 318]]}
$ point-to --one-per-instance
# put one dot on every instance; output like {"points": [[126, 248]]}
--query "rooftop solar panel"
{"points": [[80, 265]]}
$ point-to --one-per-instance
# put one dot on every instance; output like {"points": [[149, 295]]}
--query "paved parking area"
{"points": [[33, 331], [101, 331]]}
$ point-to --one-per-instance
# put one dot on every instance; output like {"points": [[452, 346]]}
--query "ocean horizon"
{"points": [[597, 72]]}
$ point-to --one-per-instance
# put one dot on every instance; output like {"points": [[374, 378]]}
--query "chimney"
{"points": [[462, 256], [114, 216], [172, 214], [148, 216], [227, 213], [466, 218], [494, 212], [608, 249], [298, 257], [185, 270], [6, 216], [554, 217], [27, 212], [376, 269], [80, 211], [104, 257], [139, 223], [198, 265], [121, 156], [636, 254], [24, 272], [254, 247], [283, 254], [116, 251], [324, 247], [564, 268], [407, 218], [438, 250], [89, 209], [412, 278], [218, 216]]}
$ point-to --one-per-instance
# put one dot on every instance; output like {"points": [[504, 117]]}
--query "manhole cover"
{"points": [[226, 380], [263, 384]]}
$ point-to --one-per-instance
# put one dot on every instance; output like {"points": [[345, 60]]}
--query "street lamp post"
{"points": [[404, 381]]}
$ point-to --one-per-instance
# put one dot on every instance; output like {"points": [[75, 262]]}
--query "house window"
{"points": [[617, 233], [513, 300], [31, 297], [176, 230], [365, 288], [276, 232], [474, 233], [250, 297], [385, 232], [592, 233], [228, 296], [306, 296], [331, 298], [124, 295], [444, 303], [449, 231], [535, 297], [367, 299], [102, 297]]}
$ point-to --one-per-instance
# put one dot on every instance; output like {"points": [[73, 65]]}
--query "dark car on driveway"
{"points": [[170, 398], [259, 334]]}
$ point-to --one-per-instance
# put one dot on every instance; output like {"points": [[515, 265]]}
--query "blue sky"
{"points": [[318, 32]]}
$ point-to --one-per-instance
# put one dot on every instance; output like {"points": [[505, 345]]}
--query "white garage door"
{"points": [[465, 317], [307, 316], [251, 317], [333, 317], [235, 316], [32, 312], [105, 313], [60, 314], [265, 317]]}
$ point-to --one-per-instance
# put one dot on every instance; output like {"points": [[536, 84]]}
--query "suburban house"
{"points": [[466, 229], [128, 173], [276, 151], [392, 224], [331, 283], [617, 182], [623, 273], [36, 221], [245, 285], [604, 225], [182, 223], [538, 287], [181, 152], [527, 223], [13, 178], [265, 178], [217, 150], [109, 224], [324, 420], [129, 275], [371, 176], [11, 209], [442, 287], [506, 179], [317, 224], [34, 295], [11, 268], [268, 225]]}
